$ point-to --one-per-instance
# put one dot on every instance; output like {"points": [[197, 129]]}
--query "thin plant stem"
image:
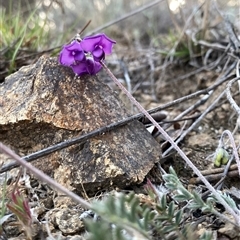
{"points": [[171, 141], [196, 123], [144, 7], [229, 96], [85, 27], [213, 104], [235, 152], [42, 176]]}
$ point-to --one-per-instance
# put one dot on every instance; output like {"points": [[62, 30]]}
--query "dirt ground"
{"points": [[199, 144], [187, 91]]}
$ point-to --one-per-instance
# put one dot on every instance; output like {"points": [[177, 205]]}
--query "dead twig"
{"points": [[214, 177], [233, 145], [218, 170], [196, 123], [235, 214], [229, 96], [205, 18], [43, 177], [149, 5], [97, 132]]}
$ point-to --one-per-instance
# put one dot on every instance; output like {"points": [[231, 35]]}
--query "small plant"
{"points": [[123, 217], [165, 217], [168, 42], [20, 38], [221, 157], [20, 207], [194, 201]]}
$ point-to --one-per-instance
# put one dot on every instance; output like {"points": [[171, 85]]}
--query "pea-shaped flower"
{"points": [[71, 54], [99, 46], [84, 56]]}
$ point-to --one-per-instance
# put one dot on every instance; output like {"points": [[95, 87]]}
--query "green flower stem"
{"points": [[171, 141]]}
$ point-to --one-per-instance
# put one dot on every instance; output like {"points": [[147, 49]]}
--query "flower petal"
{"points": [[88, 43], [98, 54], [97, 67], [70, 53], [73, 46], [80, 68], [66, 58], [106, 43], [93, 67], [79, 56], [84, 56]]}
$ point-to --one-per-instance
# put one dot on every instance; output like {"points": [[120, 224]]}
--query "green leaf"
{"points": [[124, 211], [102, 231], [171, 186], [171, 209], [148, 216], [163, 203], [168, 229], [207, 235], [198, 199], [180, 198], [163, 217], [178, 217], [133, 209], [186, 193]]}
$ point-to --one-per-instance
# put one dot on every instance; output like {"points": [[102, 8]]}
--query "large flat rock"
{"points": [[45, 103]]}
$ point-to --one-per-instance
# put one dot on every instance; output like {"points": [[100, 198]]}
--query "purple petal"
{"points": [[89, 43], [66, 58], [79, 56], [76, 50], [90, 66], [73, 46], [80, 68], [93, 67], [97, 68], [98, 54], [106, 43], [71, 53]]}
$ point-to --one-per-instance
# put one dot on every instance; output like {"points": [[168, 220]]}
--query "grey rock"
{"points": [[45, 103]]}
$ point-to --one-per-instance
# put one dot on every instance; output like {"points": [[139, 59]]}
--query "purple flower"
{"points": [[71, 54], [98, 45], [88, 66], [84, 56]]}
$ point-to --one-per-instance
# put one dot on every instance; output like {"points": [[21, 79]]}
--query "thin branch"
{"points": [[205, 18], [152, 4], [43, 177], [196, 123], [140, 116], [214, 177], [229, 96], [236, 215], [235, 152], [218, 170]]}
